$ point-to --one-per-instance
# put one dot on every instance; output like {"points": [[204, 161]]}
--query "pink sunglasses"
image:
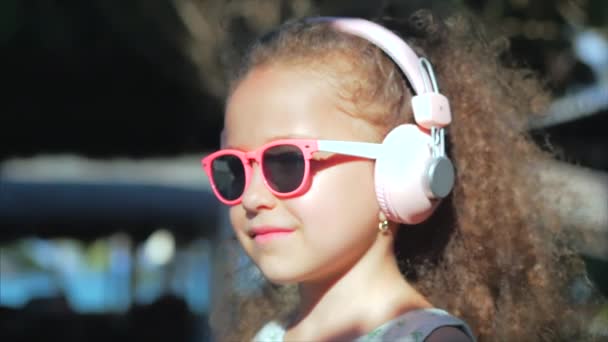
{"points": [[285, 166]]}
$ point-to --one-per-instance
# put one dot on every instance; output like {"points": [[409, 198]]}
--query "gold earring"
{"points": [[383, 224]]}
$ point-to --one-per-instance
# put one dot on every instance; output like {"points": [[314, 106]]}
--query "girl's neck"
{"points": [[354, 302]]}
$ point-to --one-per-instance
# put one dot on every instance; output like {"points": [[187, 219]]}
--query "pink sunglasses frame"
{"points": [[308, 148]]}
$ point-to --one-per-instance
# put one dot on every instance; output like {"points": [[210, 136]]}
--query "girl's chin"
{"points": [[281, 280]]}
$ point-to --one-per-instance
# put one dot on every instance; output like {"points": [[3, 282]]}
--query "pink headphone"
{"points": [[413, 172]]}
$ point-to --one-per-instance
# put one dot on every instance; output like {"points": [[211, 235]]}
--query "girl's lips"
{"points": [[262, 238], [265, 234]]}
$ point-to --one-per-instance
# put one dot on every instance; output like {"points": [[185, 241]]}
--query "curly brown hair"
{"points": [[493, 254]]}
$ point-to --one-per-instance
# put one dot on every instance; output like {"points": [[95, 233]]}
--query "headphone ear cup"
{"points": [[400, 175]]}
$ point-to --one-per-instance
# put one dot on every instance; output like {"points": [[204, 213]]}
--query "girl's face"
{"points": [[334, 223]]}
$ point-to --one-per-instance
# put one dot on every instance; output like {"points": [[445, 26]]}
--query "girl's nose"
{"points": [[257, 196]]}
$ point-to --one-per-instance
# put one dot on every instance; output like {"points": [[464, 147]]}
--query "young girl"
{"points": [[391, 183]]}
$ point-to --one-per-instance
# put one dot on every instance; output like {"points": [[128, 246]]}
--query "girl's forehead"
{"points": [[277, 102]]}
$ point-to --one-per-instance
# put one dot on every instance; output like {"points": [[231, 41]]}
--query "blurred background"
{"points": [[107, 223]]}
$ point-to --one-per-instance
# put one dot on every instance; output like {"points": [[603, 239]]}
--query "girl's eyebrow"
{"points": [[273, 138], [289, 136]]}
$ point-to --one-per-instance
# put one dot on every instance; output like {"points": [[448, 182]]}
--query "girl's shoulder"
{"points": [[416, 326], [413, 326]]}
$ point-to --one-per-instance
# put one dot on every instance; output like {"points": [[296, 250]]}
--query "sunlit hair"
{"points": [[492, 254]]}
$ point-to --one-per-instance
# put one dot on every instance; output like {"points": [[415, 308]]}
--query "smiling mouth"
{"points": [[268, 234]]}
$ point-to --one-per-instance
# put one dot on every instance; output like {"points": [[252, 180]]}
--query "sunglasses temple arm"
{"points": [[351, 148]]}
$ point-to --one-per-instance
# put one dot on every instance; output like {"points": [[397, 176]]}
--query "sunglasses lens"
{"points": [[229, 176], [284, 167]]}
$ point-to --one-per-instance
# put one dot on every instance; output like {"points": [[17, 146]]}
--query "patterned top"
{"points": [[413, 326]]}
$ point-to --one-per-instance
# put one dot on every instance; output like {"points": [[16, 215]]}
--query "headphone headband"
{"points": [[392, 45], [431, 109]]}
